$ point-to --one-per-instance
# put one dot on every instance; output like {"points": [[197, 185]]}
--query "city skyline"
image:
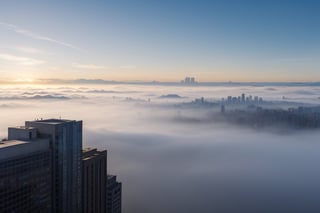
{"points": [[166, 41]]}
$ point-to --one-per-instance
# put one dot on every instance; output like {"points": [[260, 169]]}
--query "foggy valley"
{"points": [[190, 163]]}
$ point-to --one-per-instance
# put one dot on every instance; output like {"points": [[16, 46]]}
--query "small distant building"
{"points": [[189, 80], [114, 189], [234, 100], [223, 109], [243, 98]]}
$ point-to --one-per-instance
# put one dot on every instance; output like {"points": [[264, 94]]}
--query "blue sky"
{"points": [[161, 40]]}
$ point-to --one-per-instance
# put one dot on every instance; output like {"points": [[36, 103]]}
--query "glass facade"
{"points": [[114, 191], [66, 139], [25, 183]]}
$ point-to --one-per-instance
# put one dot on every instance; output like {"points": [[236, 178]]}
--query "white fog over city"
{"points": [[174, 155]]}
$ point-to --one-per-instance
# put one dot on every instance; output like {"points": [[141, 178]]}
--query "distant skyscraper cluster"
{"points": [[300, 118], [242, 100], [189, 80], [44, 169]]}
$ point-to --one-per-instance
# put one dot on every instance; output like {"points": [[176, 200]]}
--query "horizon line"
{"points": [[105, 81]]}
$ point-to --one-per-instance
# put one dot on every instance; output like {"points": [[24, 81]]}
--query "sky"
{"points": [[165, 40]]}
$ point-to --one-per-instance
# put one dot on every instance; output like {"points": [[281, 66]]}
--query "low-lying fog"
{"points": [[168, 166]]}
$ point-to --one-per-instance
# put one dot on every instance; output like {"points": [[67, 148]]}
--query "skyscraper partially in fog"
{"points": [[65, 137]]}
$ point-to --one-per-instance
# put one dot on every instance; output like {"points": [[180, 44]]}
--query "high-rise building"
{"points": [[25, 173], [44, 169], [114, 189], [189, 80], [65, 137], [94, 182]]}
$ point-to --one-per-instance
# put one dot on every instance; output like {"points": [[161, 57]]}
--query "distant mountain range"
{"points": [[102, 81]]}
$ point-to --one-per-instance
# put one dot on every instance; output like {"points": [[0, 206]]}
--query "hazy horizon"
{"points": [[97, 81], [164, 163]]}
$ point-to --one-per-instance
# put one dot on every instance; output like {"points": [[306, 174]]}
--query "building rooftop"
{"points": [[89, 153], [14, 148], [88, 149], [111, 176], [22, 127], [8, 143], [52, 121]]}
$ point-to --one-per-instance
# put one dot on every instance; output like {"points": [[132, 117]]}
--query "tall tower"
{"points": [[66, 144]]}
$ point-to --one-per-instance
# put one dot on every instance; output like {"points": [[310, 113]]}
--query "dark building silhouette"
{"points": [[94, 170], [44, 169], [114, 191], [189, 80], [65, 138], [243, 97], [25, 175]]}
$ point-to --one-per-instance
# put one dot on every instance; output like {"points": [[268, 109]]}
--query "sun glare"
{"points": [[24, 80]]}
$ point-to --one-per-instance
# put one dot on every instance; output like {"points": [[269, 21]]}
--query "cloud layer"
{"points": [[89, 66], [171, 167], [20, 60]]}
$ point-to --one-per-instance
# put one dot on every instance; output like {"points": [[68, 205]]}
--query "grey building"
{"points": [[25, 175], [114, 189], [65, 137], [94, 171]]}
